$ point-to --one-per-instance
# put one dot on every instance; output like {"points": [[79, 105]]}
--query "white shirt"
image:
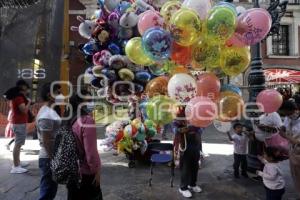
{"points": [[272, 176], [47, 120], [292, 126], [240, 144], [268, 119]]}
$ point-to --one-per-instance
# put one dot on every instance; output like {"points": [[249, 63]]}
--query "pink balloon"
{"points": [[149, 19], [208, 85], [201, 111], [235, 42], [253, 26], [269, 100]]}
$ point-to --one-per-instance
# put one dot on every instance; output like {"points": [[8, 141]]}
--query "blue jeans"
{"points": [[48, 187]]}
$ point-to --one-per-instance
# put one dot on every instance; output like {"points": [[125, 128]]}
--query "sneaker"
{"points": [[195, 189], [18, 170], [185, 193], [24, 164]]}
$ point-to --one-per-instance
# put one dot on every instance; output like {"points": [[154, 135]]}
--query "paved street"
{"points": [[121, 183]]}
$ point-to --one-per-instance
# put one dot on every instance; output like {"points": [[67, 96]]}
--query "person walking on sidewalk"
{"points": [[84, 129], [48, 123], [20, 107]]}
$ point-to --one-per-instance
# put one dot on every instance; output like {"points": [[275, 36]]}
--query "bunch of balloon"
{"points": [[153, 48]]}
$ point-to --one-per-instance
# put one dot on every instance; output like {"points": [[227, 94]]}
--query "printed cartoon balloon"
{"points": [[157, 43], [235, 60], [182, 87], [185, 27], [135, 52]]}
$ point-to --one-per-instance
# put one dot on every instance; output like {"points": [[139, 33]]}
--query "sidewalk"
{"points": [[121, 183]]}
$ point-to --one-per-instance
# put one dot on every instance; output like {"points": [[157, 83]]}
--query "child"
{"points": [[187, 142], [240, 140], [272, 174]]}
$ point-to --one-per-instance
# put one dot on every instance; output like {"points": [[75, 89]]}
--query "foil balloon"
{"points": [[168, 9], [201, 7], [161, 110], [221, 24], [157, 86], [208, 85], [135, 53], [182, 87], [231, 106], [157, 43], [235, 60], [148, 20], [269, 100], [206, 54], [200, 111], [185, 27]]}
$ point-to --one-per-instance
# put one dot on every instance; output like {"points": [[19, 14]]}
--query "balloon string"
{"points": [[183, 149]]}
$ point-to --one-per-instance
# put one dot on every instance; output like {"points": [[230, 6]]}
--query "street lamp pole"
{"points": [[256, 78]]}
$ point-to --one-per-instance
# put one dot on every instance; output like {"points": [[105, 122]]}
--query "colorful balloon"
{"points": [[227, 5], [208, 85], [156, 70], [149, 19], [182, 87], [185, 27], [157, 43], [182, 55], [135, 53], [221, 24], [178, 70], [200, 6], [253, 26], [235, 60], [200, 111], [231, 88], [157, 86], [206, 55], [168, 9], [231, 106], [161, 110], [269, 100]]}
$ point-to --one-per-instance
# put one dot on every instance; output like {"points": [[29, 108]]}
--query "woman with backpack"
{"points": [[85, 133]]}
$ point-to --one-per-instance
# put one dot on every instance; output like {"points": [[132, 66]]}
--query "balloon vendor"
{"points": [[187, 144]]}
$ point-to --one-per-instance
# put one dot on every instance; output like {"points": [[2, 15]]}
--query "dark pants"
{"points": [[48, 187], [86, 191], [274, 194], [240, 161], [189, 166]]}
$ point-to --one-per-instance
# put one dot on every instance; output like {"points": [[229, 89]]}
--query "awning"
{"points": [[282, 76]]}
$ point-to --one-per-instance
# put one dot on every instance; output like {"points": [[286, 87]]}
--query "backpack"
{"points": [[66, 159]]}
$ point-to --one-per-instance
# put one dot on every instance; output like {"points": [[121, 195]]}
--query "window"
{"points": [[280, 42]]}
